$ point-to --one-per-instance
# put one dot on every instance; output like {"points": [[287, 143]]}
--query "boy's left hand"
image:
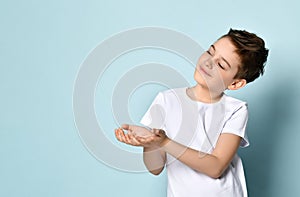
{"points": [[157, 138]]}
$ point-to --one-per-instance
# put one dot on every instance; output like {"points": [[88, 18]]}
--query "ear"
{"points": [[237, 84]]}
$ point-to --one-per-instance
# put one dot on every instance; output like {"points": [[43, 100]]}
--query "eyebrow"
{"points": [[213, 46]]}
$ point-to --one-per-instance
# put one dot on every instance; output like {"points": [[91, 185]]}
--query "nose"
{"points": [[209, 63]]}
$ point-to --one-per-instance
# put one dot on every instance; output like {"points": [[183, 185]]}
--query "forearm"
{"points": [[197, 160], [154, 159], [213, 164]]}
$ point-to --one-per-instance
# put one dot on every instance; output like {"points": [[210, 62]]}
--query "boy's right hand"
{"points": [[127, 138], [133, 131], [140, 136], [137, 130]]}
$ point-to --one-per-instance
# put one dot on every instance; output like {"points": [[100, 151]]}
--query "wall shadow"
{"points": [[268, 113]]}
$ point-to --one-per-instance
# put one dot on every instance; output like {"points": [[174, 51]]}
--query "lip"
{"points": [[204, 71]]}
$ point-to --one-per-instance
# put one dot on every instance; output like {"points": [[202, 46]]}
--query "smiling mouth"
{"points": [[200, 69]]}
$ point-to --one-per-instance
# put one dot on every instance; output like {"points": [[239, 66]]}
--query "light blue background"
{"points": [[42, 45]]}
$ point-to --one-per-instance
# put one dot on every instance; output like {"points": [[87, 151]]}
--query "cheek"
{"points": [[228, 78], [197, 75], [199, 78], [202, 58]]}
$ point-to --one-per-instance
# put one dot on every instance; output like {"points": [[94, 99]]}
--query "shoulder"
{"points": [[172, 98], [234, 104], [172, 93]]}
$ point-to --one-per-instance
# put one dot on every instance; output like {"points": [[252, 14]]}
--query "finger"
{"points": [[129, 132], [159, 132], [127, 139], [130, 139], [144, 140], [134, 140], [140, 140], [118, 135], [125, 126], [156, 132], [162, 132], [122, 136]]}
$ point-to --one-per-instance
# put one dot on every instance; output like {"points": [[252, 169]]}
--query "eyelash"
{"points": [[209, 53], [221, 66]]}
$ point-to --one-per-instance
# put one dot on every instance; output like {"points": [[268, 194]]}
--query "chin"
{"points": [[199, 79]]}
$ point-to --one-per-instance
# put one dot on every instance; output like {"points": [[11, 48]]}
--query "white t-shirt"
{"points": [[198, 126]]}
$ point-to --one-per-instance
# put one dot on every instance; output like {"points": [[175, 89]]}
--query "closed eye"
{"points": [[211, 50], [221, 66]]}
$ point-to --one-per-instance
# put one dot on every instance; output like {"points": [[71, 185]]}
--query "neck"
{"points": [[202, 94]]}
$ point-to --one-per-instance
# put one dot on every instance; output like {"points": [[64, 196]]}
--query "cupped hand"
{"points": [[140, 136]]}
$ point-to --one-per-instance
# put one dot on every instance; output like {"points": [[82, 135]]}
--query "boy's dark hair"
{"points": [[252, 52]]}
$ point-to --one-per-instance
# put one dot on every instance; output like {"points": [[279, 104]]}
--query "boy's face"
{"points": [[217, 67]]}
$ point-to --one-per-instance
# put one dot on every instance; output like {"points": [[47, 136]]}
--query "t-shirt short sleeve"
{"points": [[237, 123], [155, 115]]}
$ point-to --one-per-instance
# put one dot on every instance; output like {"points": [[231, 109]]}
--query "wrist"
{"points": [[150, 148], [165, 141]]}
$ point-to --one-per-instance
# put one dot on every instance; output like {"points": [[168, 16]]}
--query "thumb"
{"points": [[125, 126], [159, 132]]}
